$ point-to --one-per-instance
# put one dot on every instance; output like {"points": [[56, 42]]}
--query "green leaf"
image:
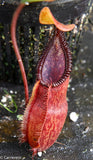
{"points": [[30, 1], [9, 110], [8, 106]]}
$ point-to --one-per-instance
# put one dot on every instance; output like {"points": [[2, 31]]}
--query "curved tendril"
{"points": [[16, 49]]}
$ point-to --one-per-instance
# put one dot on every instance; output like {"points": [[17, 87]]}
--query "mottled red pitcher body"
{"points": [[46, 111]]}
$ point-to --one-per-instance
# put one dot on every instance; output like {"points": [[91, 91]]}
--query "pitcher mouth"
{"points": [[55, 63]]}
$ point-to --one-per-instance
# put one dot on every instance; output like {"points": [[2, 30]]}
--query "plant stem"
{"points": [[16, 49]]}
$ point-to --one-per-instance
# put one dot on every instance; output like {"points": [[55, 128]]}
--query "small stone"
{"points": [[74, 116], [77, 102], [73, 89], [82, 50], [4, 99], [9, 96], [27, 3], [86, 130], [15, 92], [83, 61], [88, 115], [14, 136], [76, 68], [39, 154], [23, 102], [91, 150], [85, 85], [11, 91]]}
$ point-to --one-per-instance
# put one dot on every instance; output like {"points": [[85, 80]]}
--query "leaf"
{"points": [[7, 107], [46, 17], [30, 1]]}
